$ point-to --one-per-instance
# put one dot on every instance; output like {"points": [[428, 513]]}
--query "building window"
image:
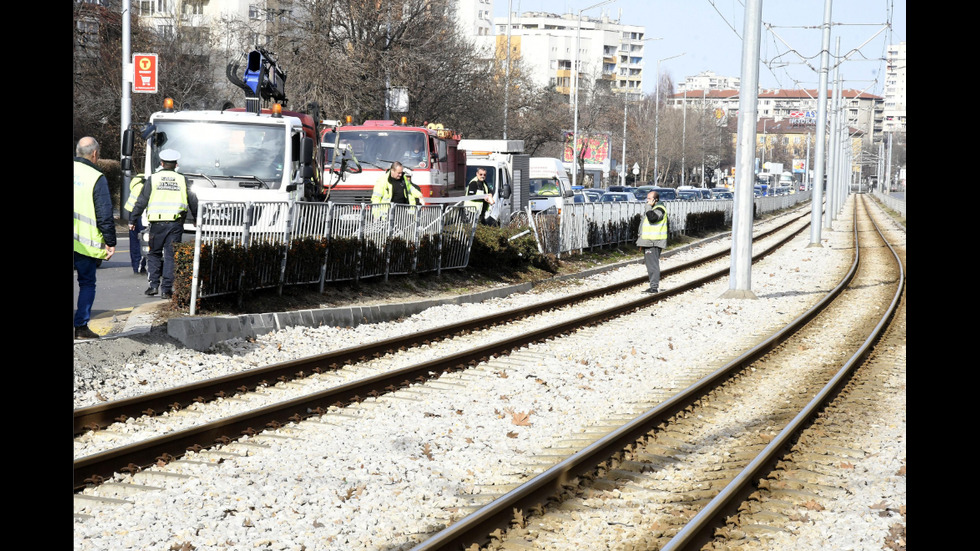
{"points": [[253, 11]]}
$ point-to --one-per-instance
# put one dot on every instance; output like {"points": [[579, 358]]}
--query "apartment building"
{"points": [[607, 49], [894, 105], [707, 80], [799, 107]]}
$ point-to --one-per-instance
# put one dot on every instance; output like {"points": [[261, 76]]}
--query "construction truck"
{"points": [[252, 154], [508, 173], [428, 152]]}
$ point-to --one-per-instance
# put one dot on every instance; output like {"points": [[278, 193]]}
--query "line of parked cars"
{"points": [[616, 194]]}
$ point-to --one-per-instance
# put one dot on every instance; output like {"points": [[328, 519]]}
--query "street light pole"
{"points": [[574, 75], [656, 123]]}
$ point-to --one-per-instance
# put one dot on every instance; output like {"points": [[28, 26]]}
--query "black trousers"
{"points": [[160, 262]]}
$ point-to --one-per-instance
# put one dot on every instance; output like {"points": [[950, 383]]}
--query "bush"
{"points": [[703, 222], [493, 250]]}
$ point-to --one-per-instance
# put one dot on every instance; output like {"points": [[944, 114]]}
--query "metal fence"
{"points": [[894, 203], [246, 246], [588, 225]]}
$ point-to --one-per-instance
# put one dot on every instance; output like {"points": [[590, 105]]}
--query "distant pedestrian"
{"points": [[166, 200], [95, 230], [653, 239], [136, 257]]}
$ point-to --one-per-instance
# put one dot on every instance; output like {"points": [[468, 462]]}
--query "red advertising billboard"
{"points": [[593, 148]]}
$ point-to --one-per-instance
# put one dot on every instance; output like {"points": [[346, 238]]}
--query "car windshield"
{"points": [[221, 149], [613, 198]]}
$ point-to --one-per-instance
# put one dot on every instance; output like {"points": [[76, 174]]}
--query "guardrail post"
{"points": [[196, 267], [293, 212], [326, 254]]}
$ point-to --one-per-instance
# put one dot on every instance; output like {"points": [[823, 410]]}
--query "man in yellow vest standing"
{"points": [[135, 247], [653, 238], [166, 199], [95, 230]]}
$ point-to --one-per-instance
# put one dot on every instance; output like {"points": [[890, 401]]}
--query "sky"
{"points": [[707, 33]]}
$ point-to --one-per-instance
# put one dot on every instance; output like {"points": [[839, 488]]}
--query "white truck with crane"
{"points": [[253, 154]]}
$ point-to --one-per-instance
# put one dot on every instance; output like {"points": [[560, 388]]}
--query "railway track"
{"points": [[668, 478], [338, 380], [386, 472]]}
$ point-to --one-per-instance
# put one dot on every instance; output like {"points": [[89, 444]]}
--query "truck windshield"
{"points": [[379, 148], [544, 187], [491, 175], [220, 149]]}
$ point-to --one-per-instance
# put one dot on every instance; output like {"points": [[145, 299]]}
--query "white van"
{"points": [[549, 185]]}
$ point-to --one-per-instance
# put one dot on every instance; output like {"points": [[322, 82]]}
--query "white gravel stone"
{"points": [[384, 473]]}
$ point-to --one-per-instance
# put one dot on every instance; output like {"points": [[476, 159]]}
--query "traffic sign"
{"points": [[145, 73]]}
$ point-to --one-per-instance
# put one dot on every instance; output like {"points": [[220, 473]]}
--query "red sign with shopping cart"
{"points": [[145, 73]]}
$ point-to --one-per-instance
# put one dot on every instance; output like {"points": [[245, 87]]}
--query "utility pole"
{"points": [[740, 273]]}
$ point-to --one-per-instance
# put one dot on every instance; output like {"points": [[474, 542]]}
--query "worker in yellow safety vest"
{"points": [[136, 257], [95, 230], [394, 187], [166, 199], [653, 239], [483, 199]]}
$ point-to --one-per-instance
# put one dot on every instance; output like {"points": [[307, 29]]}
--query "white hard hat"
{"points": [[170, 155]]}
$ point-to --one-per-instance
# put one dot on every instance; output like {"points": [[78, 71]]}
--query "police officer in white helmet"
{"points": [[166, 200]]}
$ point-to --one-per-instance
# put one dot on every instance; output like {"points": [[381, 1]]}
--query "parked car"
{"points": [[593, 193], [627, 189], [723, 193], [666, 193], [617, 197], [688, 195]]}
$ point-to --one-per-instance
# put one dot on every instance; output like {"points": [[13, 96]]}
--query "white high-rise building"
{"points": [[707, 80], [475, 18], [894, 112], [607, 50]]}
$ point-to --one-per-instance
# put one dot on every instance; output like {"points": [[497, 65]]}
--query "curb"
{"points": [[203, 333]]}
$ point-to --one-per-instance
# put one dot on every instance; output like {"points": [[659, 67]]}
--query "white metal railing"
{"points": [[897, 205], [581, 226], [243, 246]]}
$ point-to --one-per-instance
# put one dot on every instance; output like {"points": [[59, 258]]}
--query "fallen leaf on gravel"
{"points": [[901, 472], [511, 435], [813, 505], [845, 465], [520, 418], [880, 505]]}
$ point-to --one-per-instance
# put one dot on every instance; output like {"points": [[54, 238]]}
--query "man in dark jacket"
{"points": [[95, 230], [167, 198]]}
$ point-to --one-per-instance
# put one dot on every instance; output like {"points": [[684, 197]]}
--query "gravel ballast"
{"points": [[382, 474]]}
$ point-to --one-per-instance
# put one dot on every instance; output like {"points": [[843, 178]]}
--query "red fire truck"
{"points": [[428, 152]]}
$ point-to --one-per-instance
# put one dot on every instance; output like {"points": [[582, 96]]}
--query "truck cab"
{"points": [[507, 173], [233, 155], [549, 185]]}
